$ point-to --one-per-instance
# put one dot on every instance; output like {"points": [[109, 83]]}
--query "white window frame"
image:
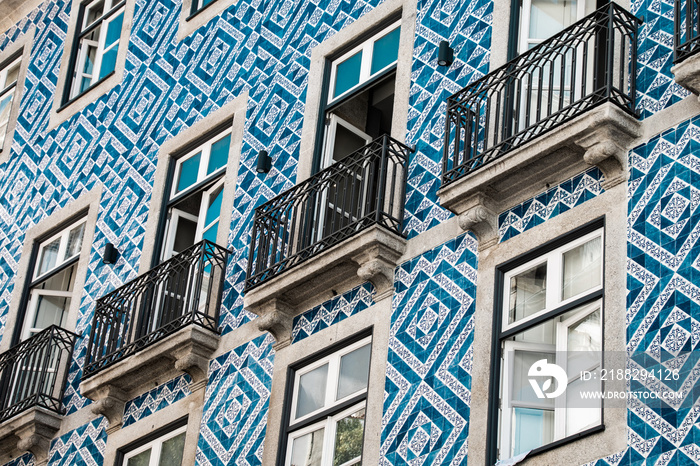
{"points": [[329, 431], [553, 301], [554, 261], [367, 49], [8, 89], [526, 8], [333, 361], [205, 149], [155, 446], [110, 12], [63, 246]]}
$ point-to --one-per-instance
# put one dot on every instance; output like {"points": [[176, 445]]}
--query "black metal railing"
{"points": [[686, 28], [183, 290], [591, 62], [364, 189], [34, 372]]}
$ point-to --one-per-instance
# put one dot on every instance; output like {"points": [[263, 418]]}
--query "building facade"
{"points": [[307, 232]]}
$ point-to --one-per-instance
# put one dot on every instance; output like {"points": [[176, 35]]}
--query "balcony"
{"points": [[164, 320], [567, 103], [343, 222], [32, 380], [687, 44]]}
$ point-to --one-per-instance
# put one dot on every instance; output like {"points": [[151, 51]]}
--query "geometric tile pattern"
{"points": [[156, 399], [24, 460], [656, 88], [332, 311], [428, 382], [236, 403], [467, 27], [84, 446], [554, 201]]}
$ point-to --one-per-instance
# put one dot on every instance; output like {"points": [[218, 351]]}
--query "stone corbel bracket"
{"points": [[480, 217], [606, 143], [109, 402], [193, 357], [376, 265], [277, 317], [30, 431]]}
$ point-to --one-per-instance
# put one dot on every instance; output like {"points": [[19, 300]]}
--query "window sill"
{"points": [[565, 441]]}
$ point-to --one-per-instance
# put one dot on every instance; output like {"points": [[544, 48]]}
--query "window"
{"points": [[53, 279], [166, 450], [196, 194], [94, 55], [198, 5], [327, 415], [551, 313], [9, 73]]}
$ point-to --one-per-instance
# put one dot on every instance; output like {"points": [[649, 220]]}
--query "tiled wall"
{"points": [[84, 446], [160, 397]]}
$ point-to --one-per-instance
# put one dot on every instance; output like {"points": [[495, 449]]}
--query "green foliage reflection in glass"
{"points": [[348, 439]]}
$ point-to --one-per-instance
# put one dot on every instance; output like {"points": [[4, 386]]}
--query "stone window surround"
{"points": [[88, 202], [333, 45], [61, 110], [189, 22], [193, 405], [234, 112], [612, 206], [22, 46], [375, 319]]}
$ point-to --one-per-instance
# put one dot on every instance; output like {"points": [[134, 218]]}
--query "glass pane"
{"points": [[348, 439], [12, 74], [114, 30], [346, 142], [75, 241], [354, 370], [521, 390], [214, 209], [581, 418], [89, 58], [189, 170], [307, 450], [142, 459], [51, 310], [210, 233], [184, 235], [548, 17], [171, 453], [582, 268], [311, 394], [109, 61], [528, 292], [48, 256], [62, 281], [386, 51], [93, 12], [584, 344], [532, 428], [219, 154], [5, 107], [347, 74]]}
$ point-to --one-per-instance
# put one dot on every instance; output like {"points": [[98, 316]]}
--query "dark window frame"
{"points": [[498, 335], [285, 427], [161, 431]]}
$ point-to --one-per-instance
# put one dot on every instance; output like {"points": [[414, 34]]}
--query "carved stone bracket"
{"points": [[193, 357], [481, 218], [30, 431], [605, 144], [377, 264], [277, 319], [109, 402]]}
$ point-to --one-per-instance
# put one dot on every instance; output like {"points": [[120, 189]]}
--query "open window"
{"points": [[551, 313], [96, 45], [9, 74], [328, 402]]}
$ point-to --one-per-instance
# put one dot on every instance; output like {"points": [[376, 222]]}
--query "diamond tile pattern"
{"points": [[332, 311], [427, 391], [24, 460], [84, 446], [235, 406], [156, 399]]}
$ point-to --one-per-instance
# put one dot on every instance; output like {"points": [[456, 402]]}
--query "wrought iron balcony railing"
{"points": [[34, 372], [591, 62], [364, 189], [686, 23], [183, 290]]}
